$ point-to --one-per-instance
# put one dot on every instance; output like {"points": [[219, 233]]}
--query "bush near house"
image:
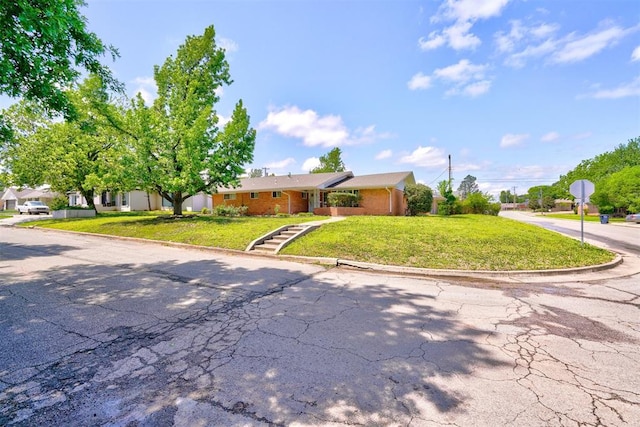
{"points": [[343, 200], [229, 210]]}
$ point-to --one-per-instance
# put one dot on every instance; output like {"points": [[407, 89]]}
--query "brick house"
{"points": [[381, 194]]}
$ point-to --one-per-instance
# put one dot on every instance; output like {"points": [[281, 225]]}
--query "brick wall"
{"points": [[265, 204]]}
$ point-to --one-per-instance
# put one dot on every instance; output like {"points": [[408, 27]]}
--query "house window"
{"points": [[254, 195], [276, 194], [305, 195], [231, 196]]}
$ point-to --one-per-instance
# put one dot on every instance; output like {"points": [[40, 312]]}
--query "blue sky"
{"points": [[517, 92]]}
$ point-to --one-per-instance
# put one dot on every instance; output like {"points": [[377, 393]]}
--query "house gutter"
{"points": [[390, 206]]}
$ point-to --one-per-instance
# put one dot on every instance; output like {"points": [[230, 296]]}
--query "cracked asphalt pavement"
{"points": [[105, 332]]}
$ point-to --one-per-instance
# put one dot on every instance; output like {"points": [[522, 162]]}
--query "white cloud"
{"points": [[461, 72], [458, 36], [146, 87], [580, 48], [315, 130], [419, 81], [550, 137], [541, 40], [434, 41], [463, 14], [471, 10], [310, 163], [223, 120], [477, 88], [635, 55], [384, 154], [281, 164], [228, 45], [623, 91], [428, 157], [513, 140]]}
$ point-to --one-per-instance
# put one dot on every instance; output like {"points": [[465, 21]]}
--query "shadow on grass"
{"points": [[257, 344]]}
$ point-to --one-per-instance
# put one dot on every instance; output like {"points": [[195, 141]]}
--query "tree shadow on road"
{"points": [[131, 343]]}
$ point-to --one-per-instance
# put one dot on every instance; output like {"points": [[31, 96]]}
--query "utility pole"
{"points": [[515, 198], [265, 169], [450, 172]]}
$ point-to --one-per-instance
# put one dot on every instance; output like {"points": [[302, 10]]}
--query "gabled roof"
{"points": [[301, 182], [378, 180], [14, 193]]}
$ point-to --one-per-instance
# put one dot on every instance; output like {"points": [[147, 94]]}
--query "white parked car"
{"points": [[33, 207]]}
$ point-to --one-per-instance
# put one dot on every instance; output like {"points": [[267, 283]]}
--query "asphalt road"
{"points": [[100, 331]]}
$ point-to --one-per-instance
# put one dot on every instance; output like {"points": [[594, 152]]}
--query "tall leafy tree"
{"points": [[619, 192], [255, 173], [44, 47], [468, 186], [74, 155], [330, 162], [179, 148], [602, 165]]}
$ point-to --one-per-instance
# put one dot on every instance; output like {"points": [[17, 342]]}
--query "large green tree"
{"points": [[178, 147], [619, 192], [84, 154], [602, 165], [467, 187], [330, 162], [44, 48]]}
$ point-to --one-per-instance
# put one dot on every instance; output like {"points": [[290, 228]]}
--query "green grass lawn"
{"points": [[469, 242], [466, 242], [221, 232], [587, 218]]}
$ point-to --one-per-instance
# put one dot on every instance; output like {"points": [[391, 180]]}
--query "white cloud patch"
{"points": [[419, 81], [316, 130], [513, 140], [635, 55], [550, 137], [384, 154], [427, 157], [281, 164], [624, 90], [462, 14], [310, 163], [463, 78], [523, 43], [228, 45], [146, 87]]}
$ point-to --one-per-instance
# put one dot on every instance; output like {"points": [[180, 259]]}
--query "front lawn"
{"points": [[463, 242], [221, 232]]}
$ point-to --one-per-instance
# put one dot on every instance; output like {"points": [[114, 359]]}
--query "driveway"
{"points": [[98, 331]]}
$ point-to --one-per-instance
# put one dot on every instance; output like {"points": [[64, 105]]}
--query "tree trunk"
{"points": [[177, 203], [88, 196]]}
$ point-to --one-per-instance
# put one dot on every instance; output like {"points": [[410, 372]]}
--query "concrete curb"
{"points": [[380, 268]]}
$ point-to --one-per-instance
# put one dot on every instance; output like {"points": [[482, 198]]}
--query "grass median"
{"points": [[462, 242]]}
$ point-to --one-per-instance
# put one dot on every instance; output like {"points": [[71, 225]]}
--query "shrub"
{"points": [[230, 210], [59, 203], [305, 214], [606, 210], [343, 200], [205, 211], [419, 198]]}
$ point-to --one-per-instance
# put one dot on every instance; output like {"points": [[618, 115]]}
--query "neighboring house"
{"points": [[138, 200], [562, 205], [14, 196], [381, 194]]}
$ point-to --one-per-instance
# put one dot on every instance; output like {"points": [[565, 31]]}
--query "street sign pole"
{"points": [[582, 212], [582, 189]]}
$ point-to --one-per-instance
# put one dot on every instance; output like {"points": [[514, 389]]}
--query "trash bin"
{"points": [[604, 219]]}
